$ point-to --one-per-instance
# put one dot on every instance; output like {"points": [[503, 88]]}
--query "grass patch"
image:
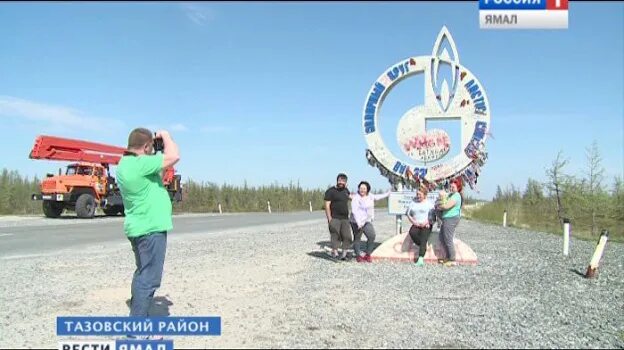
{"points": [[539, 218]]}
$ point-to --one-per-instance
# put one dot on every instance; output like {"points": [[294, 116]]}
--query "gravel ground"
{"points": [[273, 287]]}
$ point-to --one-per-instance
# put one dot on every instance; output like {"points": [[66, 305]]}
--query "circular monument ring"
{"points": [[463, 98]]}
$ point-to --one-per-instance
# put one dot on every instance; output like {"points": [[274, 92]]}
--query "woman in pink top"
{"points": [[362, 215]]}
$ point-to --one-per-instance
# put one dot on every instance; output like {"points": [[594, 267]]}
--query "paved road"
{"points": [[45, 236]]}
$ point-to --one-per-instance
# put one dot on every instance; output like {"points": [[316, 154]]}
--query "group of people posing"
{"points": [[148, 214], [346, 228]]}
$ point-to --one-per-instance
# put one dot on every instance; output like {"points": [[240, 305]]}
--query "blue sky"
{"points": [[273, 92]]}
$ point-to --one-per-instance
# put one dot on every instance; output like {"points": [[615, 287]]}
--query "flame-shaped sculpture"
{"points": [[442, 59]]}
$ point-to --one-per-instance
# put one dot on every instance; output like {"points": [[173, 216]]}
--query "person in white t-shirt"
{"points": [[421, 214]]}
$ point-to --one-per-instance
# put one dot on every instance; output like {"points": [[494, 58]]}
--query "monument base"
{"points": [[402, 248]]}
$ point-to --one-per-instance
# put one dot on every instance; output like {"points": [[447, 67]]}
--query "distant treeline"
{"points": [[198, 197], [205, 197], [589, 201], [15, 193]]}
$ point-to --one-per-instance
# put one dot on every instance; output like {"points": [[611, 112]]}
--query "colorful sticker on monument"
{"points": [[430, 146]]}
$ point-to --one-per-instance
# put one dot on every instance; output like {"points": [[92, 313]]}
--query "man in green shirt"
{"points": [[148, 209]]}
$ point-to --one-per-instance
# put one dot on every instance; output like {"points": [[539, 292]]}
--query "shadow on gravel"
{"points": [[578, 272], [322, 255], [327, 244], [324, 244], [451, 346], [159, 308]]}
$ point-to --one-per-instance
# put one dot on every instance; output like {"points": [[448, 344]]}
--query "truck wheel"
{"points": [[85, 206], [52, 209]]}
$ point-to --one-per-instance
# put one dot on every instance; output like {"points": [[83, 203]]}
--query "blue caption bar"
{"points": [[512, 4], [143, 344], [138, 325]]}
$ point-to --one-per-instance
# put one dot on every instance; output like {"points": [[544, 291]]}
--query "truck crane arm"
{"points": [[64, 149]]}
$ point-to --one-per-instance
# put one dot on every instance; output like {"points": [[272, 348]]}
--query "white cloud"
{"points": [[198, 13], [179, 127], [56, 116]]}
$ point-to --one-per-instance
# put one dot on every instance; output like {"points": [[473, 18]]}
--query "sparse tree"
{"points": [[498, 196], [555, 180], [594, 177]]}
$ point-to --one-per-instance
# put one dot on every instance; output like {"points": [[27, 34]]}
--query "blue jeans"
{"points": [[149, 254]]}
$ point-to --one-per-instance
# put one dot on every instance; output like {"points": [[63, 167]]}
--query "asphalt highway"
{"points": [[42, 235]]}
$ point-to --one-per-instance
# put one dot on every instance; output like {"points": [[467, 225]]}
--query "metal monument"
{"points": [[463, 98], [428, 163]]}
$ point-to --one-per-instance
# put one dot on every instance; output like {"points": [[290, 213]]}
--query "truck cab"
{"points": [[82, 188]]}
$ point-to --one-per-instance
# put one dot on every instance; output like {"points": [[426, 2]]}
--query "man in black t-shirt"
{"points": [[337, 212]]}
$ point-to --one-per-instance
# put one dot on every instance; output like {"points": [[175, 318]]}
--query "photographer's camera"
{"points": [[159, 144]]}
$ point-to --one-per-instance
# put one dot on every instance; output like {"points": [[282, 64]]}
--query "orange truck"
{"points": [[87, 183]]}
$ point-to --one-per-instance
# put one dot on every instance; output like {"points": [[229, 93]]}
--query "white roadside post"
{"points": [[592, 269], [220, 211], [310, 206], [566, 237], [505, 218], [399, 227], [269, 206]]}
